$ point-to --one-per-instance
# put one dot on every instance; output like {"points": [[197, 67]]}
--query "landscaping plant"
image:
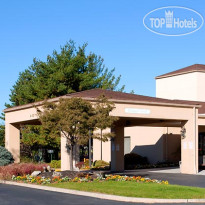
{"points": [[132, 160], [5, 157], [22, 169], [55, 164], [100, 164]]}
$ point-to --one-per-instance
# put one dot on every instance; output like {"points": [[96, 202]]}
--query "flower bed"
{"points": [[43, 180], [6, 172]]}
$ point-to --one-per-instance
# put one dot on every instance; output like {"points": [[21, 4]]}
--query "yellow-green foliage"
{"points": [[55, 164], [100, 163]]}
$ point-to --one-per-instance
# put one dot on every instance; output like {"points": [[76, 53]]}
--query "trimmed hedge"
{"points": [[5, 157], [132, 160]]}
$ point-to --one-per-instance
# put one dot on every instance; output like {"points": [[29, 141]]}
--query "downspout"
{"points": [[167, 144], [195, 140]]}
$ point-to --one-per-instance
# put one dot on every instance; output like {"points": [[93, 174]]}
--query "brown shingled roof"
{"points": [[115, 96], [189, 69], [94, 93]]}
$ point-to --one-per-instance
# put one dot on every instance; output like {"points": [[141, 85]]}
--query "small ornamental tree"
{"points": [[72, 118], [5, 157], [103, 120]]}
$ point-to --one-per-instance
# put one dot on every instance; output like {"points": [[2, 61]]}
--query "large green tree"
{"points": [[69, 70]]}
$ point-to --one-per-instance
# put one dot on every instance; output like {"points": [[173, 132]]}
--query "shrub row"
{"points": [[132, 160]]}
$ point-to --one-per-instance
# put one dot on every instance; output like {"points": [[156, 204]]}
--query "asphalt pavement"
{"points": [[15, 195], [173, 178]]}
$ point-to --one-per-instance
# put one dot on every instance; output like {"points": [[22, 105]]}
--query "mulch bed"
{"points": [[70, 174]]}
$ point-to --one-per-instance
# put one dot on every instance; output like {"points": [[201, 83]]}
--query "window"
{"points": [[127, 145]]}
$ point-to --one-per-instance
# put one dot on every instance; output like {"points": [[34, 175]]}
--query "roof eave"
{"points": [[26, 106], [171, 75]]}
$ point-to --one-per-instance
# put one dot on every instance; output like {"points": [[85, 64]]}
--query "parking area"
{"points": [[173, 175]]}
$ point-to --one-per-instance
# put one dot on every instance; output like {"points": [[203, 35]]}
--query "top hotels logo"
{"points": [[169, 19], [173, 21]]}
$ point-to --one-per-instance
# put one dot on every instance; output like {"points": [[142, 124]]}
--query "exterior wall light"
{"points": [[183, 132]]}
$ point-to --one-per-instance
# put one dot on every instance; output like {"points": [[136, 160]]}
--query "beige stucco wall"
{"points": [[154, 111], [147, 142], [158, 144], [188, 86], [106, 149], [200, 87]]}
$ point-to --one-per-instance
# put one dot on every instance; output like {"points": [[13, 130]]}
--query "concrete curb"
{"points": [[104, 196]]}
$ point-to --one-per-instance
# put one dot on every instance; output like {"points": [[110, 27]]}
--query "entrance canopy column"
{"points": [[117, 149], [189, 145], [12, 140]]}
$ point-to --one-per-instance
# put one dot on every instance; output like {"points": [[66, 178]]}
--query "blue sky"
{"points": [[113, 29]]}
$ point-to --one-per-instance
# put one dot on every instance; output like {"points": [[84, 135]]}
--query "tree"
{"points": [[35, 137], [73, 118], [67, 71], [2, 131], [103, 120], [2, 135]]}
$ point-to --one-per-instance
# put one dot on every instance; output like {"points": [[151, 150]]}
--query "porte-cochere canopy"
{"points": [[132, 110]]}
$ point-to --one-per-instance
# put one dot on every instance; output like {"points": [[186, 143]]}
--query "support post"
{"points": [[189, 146], [117, 150], [90, 163], [65, 154], [12, 141]]}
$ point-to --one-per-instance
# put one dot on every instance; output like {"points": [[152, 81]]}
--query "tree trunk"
{"points": [[71, 158], [101, 144]]}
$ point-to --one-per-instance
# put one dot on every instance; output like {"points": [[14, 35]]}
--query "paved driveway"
{"points": [[15, 195], [172, 176]]}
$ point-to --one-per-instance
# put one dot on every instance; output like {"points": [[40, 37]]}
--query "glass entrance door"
{"points": [[202, 148]]}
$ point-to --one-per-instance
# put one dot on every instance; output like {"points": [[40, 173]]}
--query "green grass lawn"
{"points": [[133, 189]]}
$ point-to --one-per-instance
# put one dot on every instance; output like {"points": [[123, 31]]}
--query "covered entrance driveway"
{"points": [[132, 110]]}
